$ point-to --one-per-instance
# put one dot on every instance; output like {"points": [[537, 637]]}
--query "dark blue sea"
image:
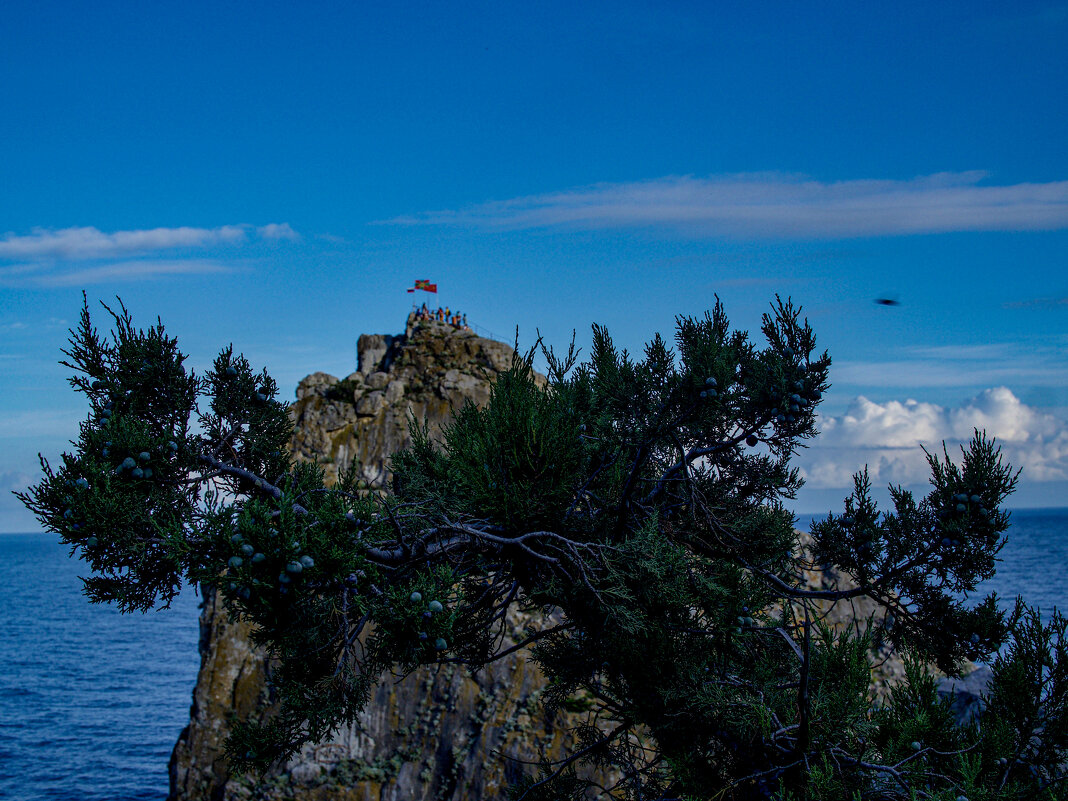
{"points": [[91, 701], [1033, 564]]}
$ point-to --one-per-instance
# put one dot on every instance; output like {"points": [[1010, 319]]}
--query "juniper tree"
{"points": [[640, 497]]}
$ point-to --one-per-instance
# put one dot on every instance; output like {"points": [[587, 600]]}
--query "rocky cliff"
{"points": [[436, 734], [426, 372]]}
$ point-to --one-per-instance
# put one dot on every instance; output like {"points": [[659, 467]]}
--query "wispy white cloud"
{"points": [[14, 270], [1047, 303], [92, 243], [39, 424], [87, 255], [14, 480], [73, 244], [778, 205], [50, 275], [277, 231], [1036, 364], [887, 437], [331, 238]]}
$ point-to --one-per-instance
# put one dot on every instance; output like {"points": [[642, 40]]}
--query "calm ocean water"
{"points": [[91, 701], [1034, 561]]}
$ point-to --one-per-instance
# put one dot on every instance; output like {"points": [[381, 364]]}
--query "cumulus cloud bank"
{"points": [[776, 205], [888, 438]]}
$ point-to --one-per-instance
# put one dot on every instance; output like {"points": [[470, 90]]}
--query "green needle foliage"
{"points": [[641, 497]]}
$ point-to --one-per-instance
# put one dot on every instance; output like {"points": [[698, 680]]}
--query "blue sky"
{"points": [[277, 176]]}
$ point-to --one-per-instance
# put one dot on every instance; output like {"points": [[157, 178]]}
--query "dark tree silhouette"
{"points": [[642, 497]]}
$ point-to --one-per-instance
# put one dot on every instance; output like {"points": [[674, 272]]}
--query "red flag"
{"points": [[425, 285]]}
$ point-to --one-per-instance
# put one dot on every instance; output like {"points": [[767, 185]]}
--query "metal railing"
{"points": [[485, 333]]}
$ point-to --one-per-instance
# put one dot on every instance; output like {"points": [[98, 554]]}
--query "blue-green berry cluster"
{"points": [[137, 468], [138, 462], [710, 391], [963, 503], [788, 406], [435, 606], [250, 567]]}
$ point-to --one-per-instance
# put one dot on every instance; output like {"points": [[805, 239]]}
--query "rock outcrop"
{"points": [[966, 695], [438, 735], [426, 372]]}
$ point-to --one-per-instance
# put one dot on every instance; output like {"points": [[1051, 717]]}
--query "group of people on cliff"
{"points": [[446, 315]]}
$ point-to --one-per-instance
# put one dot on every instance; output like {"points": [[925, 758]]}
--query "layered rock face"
{"points": [[426, 372], [439, 734]]}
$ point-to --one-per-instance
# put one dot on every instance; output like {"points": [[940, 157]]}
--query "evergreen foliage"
{"points": [[642, 497]]}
